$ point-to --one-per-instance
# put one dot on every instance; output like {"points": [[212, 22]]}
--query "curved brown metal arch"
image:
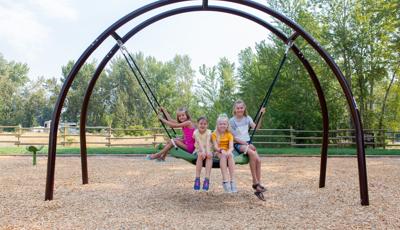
{"points": [[352, 105], [279, 34]]}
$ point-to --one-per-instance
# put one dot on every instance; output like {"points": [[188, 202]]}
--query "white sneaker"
{"points": [[227, 186], [233, 187]]}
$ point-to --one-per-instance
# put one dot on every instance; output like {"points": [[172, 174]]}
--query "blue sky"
{"points": [[45, 34]]}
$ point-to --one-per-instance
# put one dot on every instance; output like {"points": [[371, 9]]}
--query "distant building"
{"points": [[69, 127]]}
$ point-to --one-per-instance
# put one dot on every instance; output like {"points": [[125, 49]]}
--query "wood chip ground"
{"points": [[131, 193]]}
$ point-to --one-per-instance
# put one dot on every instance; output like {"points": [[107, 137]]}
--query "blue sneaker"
{"points": [[233, 187], [227, 186], [148, 157], [196, 185], [206, 184]]}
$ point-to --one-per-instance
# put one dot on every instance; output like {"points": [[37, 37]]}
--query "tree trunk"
{"points": [[381, 116]]}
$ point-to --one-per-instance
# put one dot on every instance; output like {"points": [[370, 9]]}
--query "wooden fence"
{"points": [[108, 136]]}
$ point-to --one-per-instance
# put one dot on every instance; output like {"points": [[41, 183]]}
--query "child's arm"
{"points": [[239, 141], [197, 139], [167, 115], [230, 150], [253, 125], [208, 143], [174, 124], [217, 149]]}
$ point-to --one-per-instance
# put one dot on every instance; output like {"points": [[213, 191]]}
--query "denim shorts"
{"points": [[237, 146]]}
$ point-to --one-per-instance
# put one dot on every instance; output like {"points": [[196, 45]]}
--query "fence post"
{"points": [[383, 139], [19, 133], [154, 136], [109, 135], [394, 137], [292, 140], [65, 135]]}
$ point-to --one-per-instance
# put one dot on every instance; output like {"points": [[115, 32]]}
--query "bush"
{"points": [[139, 131]]}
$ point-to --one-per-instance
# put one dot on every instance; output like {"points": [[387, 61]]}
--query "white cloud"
{"points": [[20, 28], [26, 27], [56, 9]]}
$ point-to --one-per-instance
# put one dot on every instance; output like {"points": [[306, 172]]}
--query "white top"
{"points": [[240, 128], [201, 140]]}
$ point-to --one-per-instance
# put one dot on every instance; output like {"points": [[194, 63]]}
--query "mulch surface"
{"points": [[131, 193]]}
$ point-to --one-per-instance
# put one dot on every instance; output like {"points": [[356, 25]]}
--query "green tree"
{"points": [[217, 89], [73, 102], [13, 77]]}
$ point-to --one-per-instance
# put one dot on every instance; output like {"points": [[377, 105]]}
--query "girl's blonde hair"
{"points": [[181, 110], [239, 102], [221, 117]]}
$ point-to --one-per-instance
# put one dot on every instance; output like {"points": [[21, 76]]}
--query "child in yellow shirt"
{"points": [[223, 145]]}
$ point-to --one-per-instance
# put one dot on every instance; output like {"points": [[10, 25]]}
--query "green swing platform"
{"points": [[239, 158]]}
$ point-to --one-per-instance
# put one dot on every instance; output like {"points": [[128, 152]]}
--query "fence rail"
{"points": [[108, 136]]}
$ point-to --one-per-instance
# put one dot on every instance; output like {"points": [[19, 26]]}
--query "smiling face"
{"points": [[222, 125], [202, 125], [240, 108], [181, 115]]}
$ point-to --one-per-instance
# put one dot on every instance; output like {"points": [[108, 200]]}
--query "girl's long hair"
{"points": [[239, 102], [221, 117]]}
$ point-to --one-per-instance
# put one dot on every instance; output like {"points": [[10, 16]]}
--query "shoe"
{"points": [[196, 185], [259, 188], [148, 157], [227, 186], [206, 184], [260, 195], [233, 187]]}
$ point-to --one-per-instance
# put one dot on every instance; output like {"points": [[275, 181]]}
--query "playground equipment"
{"points": [[34, 150], [204, 6]]}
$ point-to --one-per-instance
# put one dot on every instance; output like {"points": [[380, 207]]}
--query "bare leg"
{"points": [[199, 165], [178, 143], [252, 163], [223, 166], [209, 163], [258, 169], [166, 148], [254, 157], [231, 166]]}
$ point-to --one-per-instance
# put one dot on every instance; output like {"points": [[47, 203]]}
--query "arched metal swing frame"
{"points": [[204, 6]]}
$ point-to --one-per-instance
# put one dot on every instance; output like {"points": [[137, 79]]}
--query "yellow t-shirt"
{"points": [[223, 140]]}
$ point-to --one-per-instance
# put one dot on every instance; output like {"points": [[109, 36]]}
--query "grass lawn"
{"points": [[139, 150]]}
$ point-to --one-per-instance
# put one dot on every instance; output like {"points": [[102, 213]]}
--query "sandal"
{"points": [[260, 195], [259, 188]]}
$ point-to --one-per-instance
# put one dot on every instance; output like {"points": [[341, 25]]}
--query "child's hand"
{"points": [[252, 147], [262, 110], [203, 155]]}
